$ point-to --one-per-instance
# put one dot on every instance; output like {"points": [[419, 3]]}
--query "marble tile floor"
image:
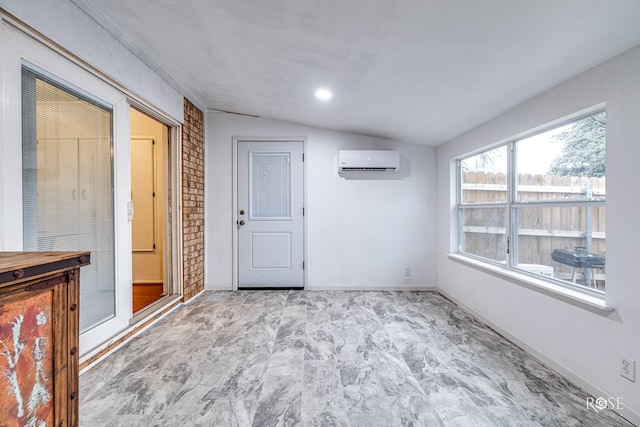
{"points": [[289, 358]]}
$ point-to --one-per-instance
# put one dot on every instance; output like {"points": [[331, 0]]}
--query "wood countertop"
{"points": [[20, 266]]}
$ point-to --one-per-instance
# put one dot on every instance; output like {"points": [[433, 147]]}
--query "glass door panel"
{"points": [[68, 185], [270, 186]]}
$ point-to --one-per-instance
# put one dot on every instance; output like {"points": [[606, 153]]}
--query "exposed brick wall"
{"points": [[193, 200]]}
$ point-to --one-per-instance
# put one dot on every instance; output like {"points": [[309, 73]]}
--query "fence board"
{"points": [[541, 229]]}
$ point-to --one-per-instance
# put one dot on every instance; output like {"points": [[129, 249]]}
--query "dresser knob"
{"points": [[18, 274], [74, 307], [73, 395], [74, 351]]}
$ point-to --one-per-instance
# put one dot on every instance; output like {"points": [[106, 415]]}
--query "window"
{"points": [[537, 204]]}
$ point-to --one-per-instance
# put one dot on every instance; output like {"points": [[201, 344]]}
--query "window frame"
{"points": [[512, 205]]}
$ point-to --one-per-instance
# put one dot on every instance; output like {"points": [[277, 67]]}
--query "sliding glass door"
{"points": [[67, 145], [66, 150], [68, 137]]}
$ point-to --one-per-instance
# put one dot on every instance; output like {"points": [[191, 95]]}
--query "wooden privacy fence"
{"points": [[541, 229]]}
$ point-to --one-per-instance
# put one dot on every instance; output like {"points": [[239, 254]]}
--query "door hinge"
{"points": [[153, 142], [302, 211], [303, 265], [154, 194], [303, 157], [154, 246], [508, 244]]}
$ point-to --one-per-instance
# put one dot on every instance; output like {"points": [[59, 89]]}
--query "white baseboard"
{"points": [[193, 298], [400, 288], [210, 287], [629, 413], [406, 288]]}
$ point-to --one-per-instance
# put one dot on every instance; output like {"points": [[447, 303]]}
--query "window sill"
{"points": [[588, 302]]}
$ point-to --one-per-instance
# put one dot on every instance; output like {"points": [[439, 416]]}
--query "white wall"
{"points": [[67, 25], [584, 345], [361, 234]]}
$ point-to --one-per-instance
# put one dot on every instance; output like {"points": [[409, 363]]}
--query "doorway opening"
{"points": [[151, 200]]}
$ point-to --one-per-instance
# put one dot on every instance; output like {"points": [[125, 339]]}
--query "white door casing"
{"points": [[269, 216]]}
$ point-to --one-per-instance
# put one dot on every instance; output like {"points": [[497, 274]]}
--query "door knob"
{"points": [[241, 222]]}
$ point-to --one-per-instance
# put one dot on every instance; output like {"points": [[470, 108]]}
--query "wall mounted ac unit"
{"points": [[377, 161]]}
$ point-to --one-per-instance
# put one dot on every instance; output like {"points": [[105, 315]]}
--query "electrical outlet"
{"points": [[407, 271], [628, 368]]}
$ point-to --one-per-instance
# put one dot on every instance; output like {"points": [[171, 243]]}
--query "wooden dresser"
{"points": [[39, 316]]}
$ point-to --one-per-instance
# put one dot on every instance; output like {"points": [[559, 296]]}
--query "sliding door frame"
{"points": [[171, 209], [21, 46]]}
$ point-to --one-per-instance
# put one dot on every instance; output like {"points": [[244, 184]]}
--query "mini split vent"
{"points": [[368, 161]]}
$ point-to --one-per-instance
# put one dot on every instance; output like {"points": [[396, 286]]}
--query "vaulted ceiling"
{"points": [[421, 71]]}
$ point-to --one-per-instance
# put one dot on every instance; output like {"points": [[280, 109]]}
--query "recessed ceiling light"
{"points": [[323, 94]]}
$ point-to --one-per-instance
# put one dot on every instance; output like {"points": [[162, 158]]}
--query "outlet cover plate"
{"points": [[628, 368]]}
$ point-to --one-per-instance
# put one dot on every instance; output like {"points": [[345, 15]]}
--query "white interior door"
{"points": [[270, 214], [143, 194]]}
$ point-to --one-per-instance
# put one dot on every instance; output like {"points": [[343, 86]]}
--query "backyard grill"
{"points": [[578, 258]]}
